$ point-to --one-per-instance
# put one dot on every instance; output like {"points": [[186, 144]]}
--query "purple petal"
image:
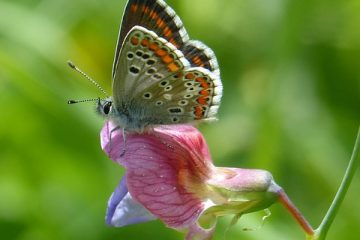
{"points": [[119, 193], [123, 210]]}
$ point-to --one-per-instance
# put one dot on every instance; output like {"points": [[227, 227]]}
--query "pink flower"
{"points": [[170, 176]]}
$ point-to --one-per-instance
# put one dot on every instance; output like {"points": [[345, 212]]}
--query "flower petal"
{"points": [[241, 179], [163, 166], [189, 137], [123, 210], [239, 191], [170, 173], [158, 172]]}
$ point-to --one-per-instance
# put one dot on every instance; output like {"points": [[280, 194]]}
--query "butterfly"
{"points": [[159, 75]]}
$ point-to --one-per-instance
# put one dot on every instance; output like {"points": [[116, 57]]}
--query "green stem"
{"points": [[321, 231]]}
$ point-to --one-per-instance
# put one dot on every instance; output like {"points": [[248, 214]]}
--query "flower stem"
{"points": [[284, 199], [321, 231]]}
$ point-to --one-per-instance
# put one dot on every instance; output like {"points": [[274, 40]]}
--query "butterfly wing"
{"points": [[159, 75], [157, 85], [144, 60], [154, 15], [200, 55], [157, 16], [189, 96]]}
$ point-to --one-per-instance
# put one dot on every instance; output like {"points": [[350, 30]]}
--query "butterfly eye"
{"points": [[107, 108]]}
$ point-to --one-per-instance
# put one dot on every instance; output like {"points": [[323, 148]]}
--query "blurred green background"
{"points": [[291, 105]]}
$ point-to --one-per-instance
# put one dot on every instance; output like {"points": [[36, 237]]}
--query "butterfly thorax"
{"points": [[133, 116]]}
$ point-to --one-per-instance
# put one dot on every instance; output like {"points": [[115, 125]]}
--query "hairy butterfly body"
{"points": [[159, 75]]}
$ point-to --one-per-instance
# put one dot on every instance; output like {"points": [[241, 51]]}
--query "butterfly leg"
{"points": [[124, 138], [112, 130]]}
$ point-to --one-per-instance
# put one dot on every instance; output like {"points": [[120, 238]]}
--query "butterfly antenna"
{"points": [[84, 100], [72, 65]]}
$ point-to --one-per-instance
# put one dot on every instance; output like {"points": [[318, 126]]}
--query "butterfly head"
{"points": [[104, 106]]}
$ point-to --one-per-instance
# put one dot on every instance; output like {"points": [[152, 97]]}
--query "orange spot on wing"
{"points": [[172, 40], [189, 76], [173, 67], [160, 52], [146, 10], [200, 79], [203, 83], [167, 59], [199, 112], [145, 42], [202, 100], [160, 23], [134, 40], [167, 32], [143, 8], [204, 93], [197, 60], [134, 8], [153, 46], [153, 15]]}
